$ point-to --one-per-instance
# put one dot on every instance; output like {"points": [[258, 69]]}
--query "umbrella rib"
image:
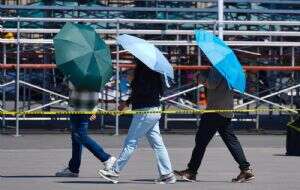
{"points": [[86, 68], [69, 41]]}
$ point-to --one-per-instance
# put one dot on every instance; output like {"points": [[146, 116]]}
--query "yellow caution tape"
{"points": [[133, 112]]}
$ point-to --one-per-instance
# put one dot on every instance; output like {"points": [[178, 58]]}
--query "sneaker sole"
{"points": [[184, 178], [107, 178], [244, 180], [165, 182], [250, 179], [66, 175]]}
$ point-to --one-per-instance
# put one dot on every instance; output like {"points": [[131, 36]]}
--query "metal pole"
{"points": [[165, 118], [198, 90], [43, 89], [117, 82], [17, 79], [270, 60], [24, 88], [293, 74], [29, 92], [182, 92], [257, 99], [24, 92], [221, 17], [151, 21], [281, 62], [215, 28], [101, 106], [257, 122], [257, 103], [293, 57], [4, 87], [263, 98]]}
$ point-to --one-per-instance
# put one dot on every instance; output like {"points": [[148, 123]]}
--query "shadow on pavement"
{"points": [[89, 182], [212, 181], [285, 155], [181, 181], [136, 181], [28, 176]]}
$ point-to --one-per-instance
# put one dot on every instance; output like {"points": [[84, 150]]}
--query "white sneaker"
{"points": [[109, 163], [109, 175], [66, 173], [166, 179]]}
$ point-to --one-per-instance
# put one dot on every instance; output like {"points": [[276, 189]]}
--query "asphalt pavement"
{"points": [[30, 161]]}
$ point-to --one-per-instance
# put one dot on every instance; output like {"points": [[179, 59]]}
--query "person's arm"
{"points": [[124, 104], [128, 101], [93, 117]]}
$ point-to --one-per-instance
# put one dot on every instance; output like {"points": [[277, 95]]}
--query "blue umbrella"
{"points": [[147, 53], [222, 58]]}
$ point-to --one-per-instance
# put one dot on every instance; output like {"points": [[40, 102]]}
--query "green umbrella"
{"points": [[83, 57]]}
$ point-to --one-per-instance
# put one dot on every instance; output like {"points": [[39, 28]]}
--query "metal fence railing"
{"points": [[217, 26]]}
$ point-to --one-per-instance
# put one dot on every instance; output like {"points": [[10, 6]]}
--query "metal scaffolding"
{"points": [[258, 43]]}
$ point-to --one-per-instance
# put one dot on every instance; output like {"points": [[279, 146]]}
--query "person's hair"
{"points": [[140, 66], [141, 70]]}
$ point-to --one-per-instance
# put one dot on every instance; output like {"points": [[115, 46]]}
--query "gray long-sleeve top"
{"points": [[219, 95]]}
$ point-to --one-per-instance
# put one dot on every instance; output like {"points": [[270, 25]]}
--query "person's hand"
{"points": [[93, 117], [122, 106]]}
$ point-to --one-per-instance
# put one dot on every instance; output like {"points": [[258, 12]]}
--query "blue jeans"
{"points": [[145, 125], [79, 125]]}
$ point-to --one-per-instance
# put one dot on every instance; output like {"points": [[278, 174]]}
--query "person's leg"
{"points": [[81, 136], [233, 144], [75, 161], [207, 129], [156, 142], [139, 126]]}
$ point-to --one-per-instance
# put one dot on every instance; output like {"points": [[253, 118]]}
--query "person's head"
{"points": [[140, 67]]}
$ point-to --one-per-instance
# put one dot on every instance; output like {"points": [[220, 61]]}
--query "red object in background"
{"points": [[202, 99]]}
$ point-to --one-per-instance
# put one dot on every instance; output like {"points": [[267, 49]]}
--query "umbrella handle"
{"points": [[166, 80]]}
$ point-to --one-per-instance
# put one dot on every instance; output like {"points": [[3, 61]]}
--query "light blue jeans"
{"points": [[145, 125]]}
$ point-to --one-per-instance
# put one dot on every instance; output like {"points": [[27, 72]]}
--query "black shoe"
{"points": [[244, 176], [186, 175], [66, 172]]}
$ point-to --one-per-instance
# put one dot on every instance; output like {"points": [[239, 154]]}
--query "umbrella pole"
{"points": [[117, 81]]}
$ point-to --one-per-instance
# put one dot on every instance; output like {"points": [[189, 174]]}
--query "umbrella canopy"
{"points": [[222, 58], [83, 57], [146, 53]]}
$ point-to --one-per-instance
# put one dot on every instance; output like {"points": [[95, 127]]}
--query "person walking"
{"points": [[147, 88], [219, 97], [82, 100]]}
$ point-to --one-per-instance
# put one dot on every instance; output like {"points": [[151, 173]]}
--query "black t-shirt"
{"points": [[147, 87]]}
